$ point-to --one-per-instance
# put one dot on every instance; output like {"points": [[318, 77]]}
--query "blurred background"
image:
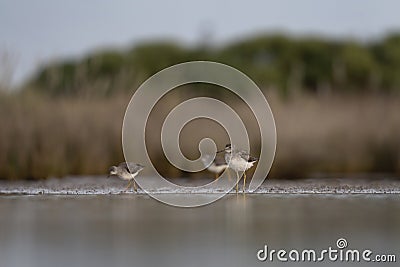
{"points": [[329, 69]]}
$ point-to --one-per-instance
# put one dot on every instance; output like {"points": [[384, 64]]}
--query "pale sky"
{"points": [[36, 31]]}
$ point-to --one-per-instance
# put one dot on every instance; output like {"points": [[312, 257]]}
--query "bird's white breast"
{"points": [[240, 164]]}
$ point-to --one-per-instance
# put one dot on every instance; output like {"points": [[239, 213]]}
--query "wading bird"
{"points": [[126, 171], [239, 161]]}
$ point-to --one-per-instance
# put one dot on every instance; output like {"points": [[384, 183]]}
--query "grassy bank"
{"points": [[42, 137]]}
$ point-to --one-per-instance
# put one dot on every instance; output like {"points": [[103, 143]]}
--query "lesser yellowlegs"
{"points": [[126, 171], [239, 161]]}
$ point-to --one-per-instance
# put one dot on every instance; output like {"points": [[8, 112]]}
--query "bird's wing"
{"points": [[252, 159], [247, 156], [131, 167]]}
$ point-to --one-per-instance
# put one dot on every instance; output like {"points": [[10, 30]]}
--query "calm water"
{"points": [[131, 230]]}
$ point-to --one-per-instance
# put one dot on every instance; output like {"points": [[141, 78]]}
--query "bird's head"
{"points": [[112, 171], [227, 149]]}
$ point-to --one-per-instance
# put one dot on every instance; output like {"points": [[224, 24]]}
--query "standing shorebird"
{"points": [[126, 171], [239, 161], [216, 166]]}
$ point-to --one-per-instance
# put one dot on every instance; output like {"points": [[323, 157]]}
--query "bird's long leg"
{"points": [[129, 184], [237, 182], [134, 185], [244, 182]]}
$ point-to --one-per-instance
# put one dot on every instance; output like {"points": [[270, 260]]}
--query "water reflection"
{"points": [[139, 231]]}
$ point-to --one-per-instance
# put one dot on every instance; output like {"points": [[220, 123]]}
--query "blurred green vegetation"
{"points": [[274, 61]]}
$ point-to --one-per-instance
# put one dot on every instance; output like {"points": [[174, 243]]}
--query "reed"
{"points": [[44, 137]]}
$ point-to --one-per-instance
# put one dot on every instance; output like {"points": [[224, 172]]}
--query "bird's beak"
{"points": [[221, 151]]}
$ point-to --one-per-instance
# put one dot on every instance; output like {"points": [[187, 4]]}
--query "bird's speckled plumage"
{"points": [[239, 160], [130, 167]]}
